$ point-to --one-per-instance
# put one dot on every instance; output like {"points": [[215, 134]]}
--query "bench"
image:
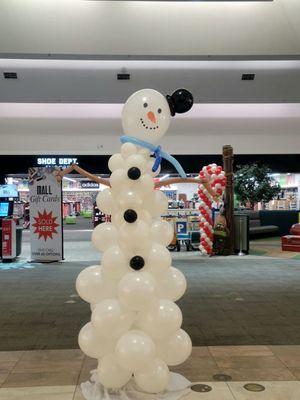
{"points": [[255, 226]]}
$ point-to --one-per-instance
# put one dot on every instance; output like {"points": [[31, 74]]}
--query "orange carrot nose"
{"points": [[151, 116]]}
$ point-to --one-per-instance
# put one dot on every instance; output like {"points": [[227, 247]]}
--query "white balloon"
{"points": [[158, 259], [144, 185], [161, 200], [160, 320], [137, 290], [92, 307], [155, 379], [110, 319], [135, 235], [118, 218], [119, 180], [105, 201], [146, 115], [172, 284], [114, 263], [176, 349], [137, 161], [110, 374], [92, 287], [130, 199], [127, 149], [94, 345], [157, 204], [145, 216], [162, 232], [104, 236], [128, 251], [135, 351], [144, 152], [149, 167], [116, 161]]}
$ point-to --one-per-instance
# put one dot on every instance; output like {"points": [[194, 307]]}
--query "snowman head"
{"points": [[147, 113]]}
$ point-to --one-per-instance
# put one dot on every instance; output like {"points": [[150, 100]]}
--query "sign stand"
{"points": [[45, 200]]}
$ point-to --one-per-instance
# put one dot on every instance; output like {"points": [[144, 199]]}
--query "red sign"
{"points": [[45, 225], [8, 238]]}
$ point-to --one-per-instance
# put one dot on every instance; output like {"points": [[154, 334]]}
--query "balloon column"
{"points": [[215, 176], [135, 323]]}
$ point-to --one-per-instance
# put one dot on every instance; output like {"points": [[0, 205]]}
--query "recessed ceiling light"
{"points": [[248, 77], [10, 75], [123, 77]]}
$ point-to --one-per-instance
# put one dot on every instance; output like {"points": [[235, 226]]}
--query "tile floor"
{"points": [[271, 247], [228, 301], [57, 374]]}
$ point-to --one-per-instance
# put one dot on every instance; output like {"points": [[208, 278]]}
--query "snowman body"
{"points": [[135, 329]]}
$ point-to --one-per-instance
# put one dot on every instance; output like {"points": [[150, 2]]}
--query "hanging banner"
{"points": [[45, 199]]}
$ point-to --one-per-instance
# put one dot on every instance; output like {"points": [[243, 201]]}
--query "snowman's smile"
{"points": [[147, 126]]}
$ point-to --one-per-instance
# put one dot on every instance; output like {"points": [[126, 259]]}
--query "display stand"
{"points": [[178, 387]]}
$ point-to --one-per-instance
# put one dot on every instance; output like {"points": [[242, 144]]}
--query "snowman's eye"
{"points": [[159, 110], [145, 105]]}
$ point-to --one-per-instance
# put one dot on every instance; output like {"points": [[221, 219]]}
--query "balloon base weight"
{"points": [[178, 387]]}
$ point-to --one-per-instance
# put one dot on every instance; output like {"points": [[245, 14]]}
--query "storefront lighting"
{"points": [[70, 179], [164, 177]]}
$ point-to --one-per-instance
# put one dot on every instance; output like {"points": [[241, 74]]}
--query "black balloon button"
{"points": [[137, 263], [134, 173], [130, 216]]}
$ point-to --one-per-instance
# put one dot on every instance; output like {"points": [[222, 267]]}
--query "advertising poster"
{"points": [[45, 198], [8, 239]]}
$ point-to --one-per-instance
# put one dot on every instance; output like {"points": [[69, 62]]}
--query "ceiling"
{"points": [[71, 50], [142, 28], [96, 81], [67, 54], [35, 128]]}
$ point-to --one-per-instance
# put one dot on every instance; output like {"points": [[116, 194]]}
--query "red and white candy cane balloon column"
{"points": [[215, 177]]}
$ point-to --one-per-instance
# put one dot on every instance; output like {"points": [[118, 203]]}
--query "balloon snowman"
{"points": [[135, 329]]}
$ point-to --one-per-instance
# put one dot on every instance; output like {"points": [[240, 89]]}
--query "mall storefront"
{"points": [[79, 209]]}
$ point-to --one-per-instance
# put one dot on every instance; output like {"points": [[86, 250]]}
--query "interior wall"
{"points": [[85, 143], [152, 28], [96, 128]]}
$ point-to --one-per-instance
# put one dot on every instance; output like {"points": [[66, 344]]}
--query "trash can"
{"points": [[19, 235], [241, 233]]}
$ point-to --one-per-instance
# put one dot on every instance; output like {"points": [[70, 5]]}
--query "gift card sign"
{"points": [[45, 200]]}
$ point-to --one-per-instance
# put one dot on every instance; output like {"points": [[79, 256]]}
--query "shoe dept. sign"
{"points": [[45, 198]]}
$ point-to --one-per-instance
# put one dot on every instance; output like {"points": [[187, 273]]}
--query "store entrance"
{"points": [[80, 214], [78, 202]]}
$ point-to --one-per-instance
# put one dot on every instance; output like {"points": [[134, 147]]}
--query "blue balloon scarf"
{"points": [[158, 153]]}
